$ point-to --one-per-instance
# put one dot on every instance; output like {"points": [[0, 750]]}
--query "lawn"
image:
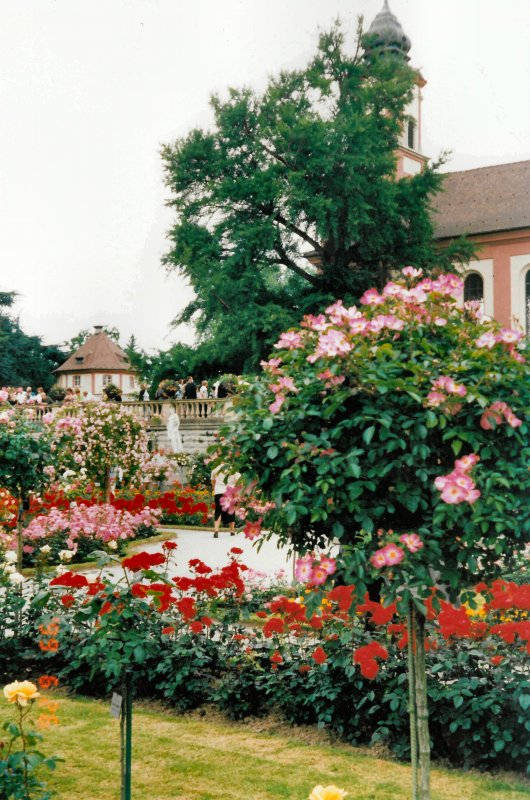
{"points": [[196, 757]]}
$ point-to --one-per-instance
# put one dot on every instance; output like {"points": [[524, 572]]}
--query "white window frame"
{"points": [[519, 267], [107, 380], [484, 268]]}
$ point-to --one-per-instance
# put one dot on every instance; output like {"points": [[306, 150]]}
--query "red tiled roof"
{"points": [[98, 353], [483, 200]]}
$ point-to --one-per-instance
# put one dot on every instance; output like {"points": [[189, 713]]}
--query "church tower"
{"points": [[386, 36]]}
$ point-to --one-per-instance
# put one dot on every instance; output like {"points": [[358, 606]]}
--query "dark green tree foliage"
{"points": [[138, 358], [25, 360], [307, 167]]}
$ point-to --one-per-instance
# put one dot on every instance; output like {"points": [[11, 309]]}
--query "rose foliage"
{"points": [[399, 428]]}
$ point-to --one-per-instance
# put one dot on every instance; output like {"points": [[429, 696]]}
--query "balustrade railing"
{"points": [[156, 412]]}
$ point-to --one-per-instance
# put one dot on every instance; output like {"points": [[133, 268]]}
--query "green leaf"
{"points": [[139, 654], [498, 745], [456, 446], [524, 701], [368, 434]]}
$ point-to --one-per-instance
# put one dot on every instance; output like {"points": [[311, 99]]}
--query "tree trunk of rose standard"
{"points": [[420, 747], [126, 736], [20, 544], [107, 485]]}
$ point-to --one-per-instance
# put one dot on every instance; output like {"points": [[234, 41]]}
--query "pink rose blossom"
{"points": [[303, 569], [290, 340], [412, 541], [328, 564], [277, 404], [486, 340], [372, 298], [411, 272], [253, 529]]}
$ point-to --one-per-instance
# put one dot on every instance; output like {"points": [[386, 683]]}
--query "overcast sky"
{"points": [[90, 89]]}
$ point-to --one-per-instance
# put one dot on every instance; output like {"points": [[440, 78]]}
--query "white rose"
{"points": [[112, 545], [45, 549], [16, 578], [9, 568], [10, 556], [65, 555]]}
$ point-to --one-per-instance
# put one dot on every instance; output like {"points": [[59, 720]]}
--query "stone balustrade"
{"points": [[156, 412]]}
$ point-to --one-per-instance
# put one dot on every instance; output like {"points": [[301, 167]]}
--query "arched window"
{"points": [[527, 302], [474, 287], [411, 133]]}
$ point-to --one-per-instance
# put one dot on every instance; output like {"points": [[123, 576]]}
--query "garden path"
{"points": [[200, 544], [215, 552]]}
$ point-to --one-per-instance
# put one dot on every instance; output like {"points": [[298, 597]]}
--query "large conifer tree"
{"points": [[291, 198]]}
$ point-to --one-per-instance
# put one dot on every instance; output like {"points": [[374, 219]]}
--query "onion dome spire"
{"points": [[385, 36]]}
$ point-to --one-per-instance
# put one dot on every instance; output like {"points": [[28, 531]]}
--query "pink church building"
{"points": [[490, 205]]}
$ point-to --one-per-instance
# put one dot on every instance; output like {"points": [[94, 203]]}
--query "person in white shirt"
{"points": [[220, 481], [202, 394]]}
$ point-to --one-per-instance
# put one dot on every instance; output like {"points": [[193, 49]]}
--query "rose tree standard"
{"points": [[400, 429]]}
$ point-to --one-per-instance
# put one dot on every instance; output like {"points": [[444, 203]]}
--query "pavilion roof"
{"points": [[98, 353]]}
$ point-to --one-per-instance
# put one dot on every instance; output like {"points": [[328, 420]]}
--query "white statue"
{"points": [[173, 432]]}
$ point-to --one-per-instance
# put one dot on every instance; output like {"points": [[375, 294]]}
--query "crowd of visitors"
{"points": [[187, 389], [17, 396], [183, 389]]}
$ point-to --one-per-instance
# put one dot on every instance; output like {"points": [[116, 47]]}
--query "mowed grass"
{"points": [[195, 757]]}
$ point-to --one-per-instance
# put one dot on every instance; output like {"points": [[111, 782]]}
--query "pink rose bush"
{"points": [[397, 427], [93, 525], [95, 441]]}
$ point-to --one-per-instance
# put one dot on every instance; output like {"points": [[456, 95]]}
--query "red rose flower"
{"points": [[70, 579], [196, 627], [319, 656], [141, 561], [170, 545]]}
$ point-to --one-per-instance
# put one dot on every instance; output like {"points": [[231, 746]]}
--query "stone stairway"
{"points": [[196, 435]]}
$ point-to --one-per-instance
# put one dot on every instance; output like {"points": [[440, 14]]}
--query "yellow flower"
{"points": [[20, 692], [327, 793]]}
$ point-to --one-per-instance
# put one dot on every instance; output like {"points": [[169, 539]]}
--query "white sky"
{"points": [[90, 89]]}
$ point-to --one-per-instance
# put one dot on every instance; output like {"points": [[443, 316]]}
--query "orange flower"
{"points": [[50, 645], [48, 681]]}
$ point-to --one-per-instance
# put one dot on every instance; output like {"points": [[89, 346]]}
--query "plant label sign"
{"points": [[115, 705]]}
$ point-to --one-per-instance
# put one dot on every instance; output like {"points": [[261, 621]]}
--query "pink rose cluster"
{"points": [[314, 569], [231, 499], [392, 554], [448, 285], [285, 384], [458, 486], [506, 336], [442, 387], [341, 329], [496, 413], [102, 523]]}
